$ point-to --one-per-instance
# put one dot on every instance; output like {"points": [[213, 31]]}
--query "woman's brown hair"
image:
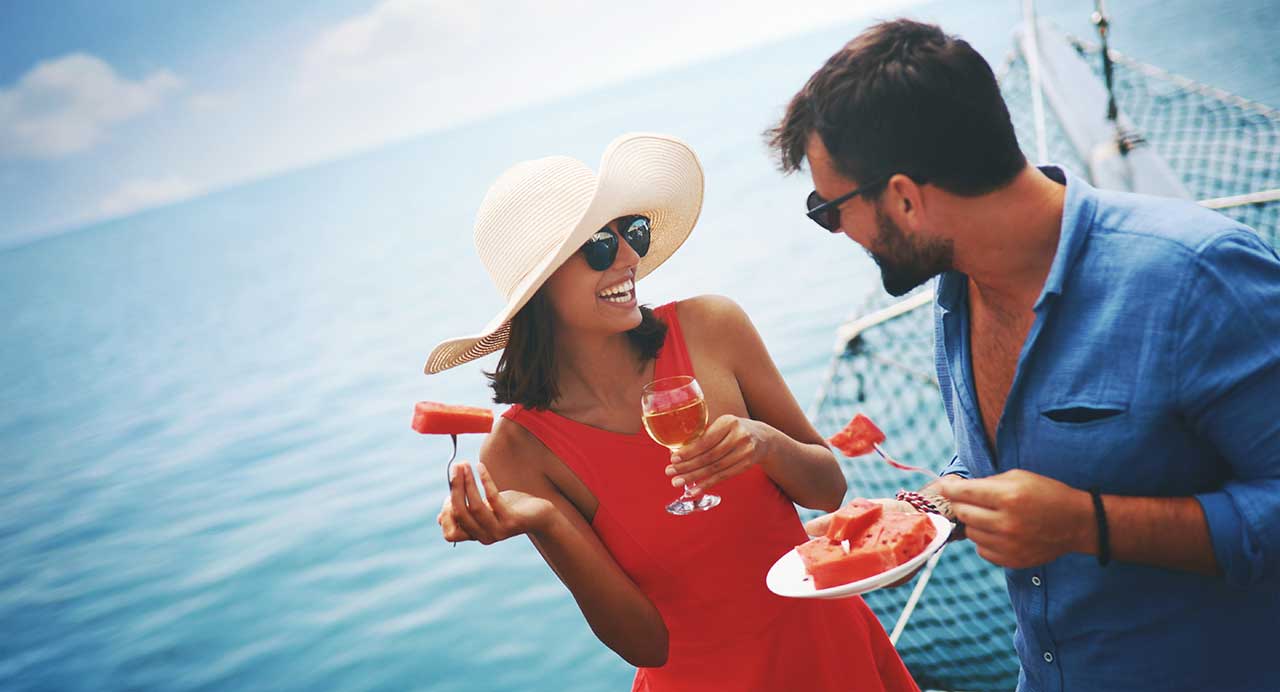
{"points": [[526, 372]]}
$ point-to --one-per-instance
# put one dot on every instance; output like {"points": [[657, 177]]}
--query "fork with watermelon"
{"points": [[431, 418], [860, 437]]}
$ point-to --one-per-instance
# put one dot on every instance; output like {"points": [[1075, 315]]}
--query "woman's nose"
{"points": [[627, 256]]}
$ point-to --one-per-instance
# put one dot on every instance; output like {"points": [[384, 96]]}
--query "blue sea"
{"points": [[207, 476]]}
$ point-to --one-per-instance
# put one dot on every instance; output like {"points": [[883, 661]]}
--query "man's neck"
{"points": [[1005, 240]]}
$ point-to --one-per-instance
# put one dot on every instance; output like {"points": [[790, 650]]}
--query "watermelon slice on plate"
{"points": [[853, 520], [892, 548]]}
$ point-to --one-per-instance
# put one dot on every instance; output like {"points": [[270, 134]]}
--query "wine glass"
{"points": [[675, 414]]}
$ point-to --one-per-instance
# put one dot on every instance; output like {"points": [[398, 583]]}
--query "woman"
{"points": [[569, 465]]}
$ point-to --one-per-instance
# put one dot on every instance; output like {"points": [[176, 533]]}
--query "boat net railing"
{"points": [[956, 633]]}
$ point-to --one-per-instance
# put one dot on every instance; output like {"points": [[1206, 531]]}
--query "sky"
{"points": [[109, 108]]}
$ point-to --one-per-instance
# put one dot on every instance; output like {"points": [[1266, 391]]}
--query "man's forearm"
{"points": [[1161, 531], [1020, 519]]}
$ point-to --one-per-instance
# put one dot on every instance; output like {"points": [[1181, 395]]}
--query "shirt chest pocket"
{"points": [[1077, 430], [1082, 414], [1081, 397]]}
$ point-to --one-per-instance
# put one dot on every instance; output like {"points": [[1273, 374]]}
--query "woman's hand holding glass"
{"points": [[730, 446], [499, 515]]}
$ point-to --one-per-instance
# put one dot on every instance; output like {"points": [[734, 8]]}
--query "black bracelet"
{"points": [[1104, 537]]}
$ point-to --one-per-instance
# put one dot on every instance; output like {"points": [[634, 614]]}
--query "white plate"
{"points": [[787, 576]]}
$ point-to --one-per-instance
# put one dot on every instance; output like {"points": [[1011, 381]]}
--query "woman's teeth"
{"points": [[620, 293]]}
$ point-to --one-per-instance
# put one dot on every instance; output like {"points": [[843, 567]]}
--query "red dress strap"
{"points": [[674, 358]]}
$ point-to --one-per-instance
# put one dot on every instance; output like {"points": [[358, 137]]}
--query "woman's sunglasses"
{"points": [[827, 214], [602, 249]]}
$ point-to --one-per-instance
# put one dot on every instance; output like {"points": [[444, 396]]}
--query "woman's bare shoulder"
{"points": [[712, 319], [510, 451], [710, 311]]}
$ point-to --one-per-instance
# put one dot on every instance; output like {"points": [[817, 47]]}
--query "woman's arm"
{"points": [[777, 435], [616, 609]]}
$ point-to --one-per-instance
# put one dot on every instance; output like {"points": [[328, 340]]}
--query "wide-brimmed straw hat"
{"points": [[540, 212]]}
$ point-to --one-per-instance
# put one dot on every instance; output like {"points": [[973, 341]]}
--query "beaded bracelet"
{"points": [[918, 501], [1104, 533], [933, 504]]}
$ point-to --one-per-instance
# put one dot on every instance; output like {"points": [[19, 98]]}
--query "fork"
{"points": [[448, 468]]}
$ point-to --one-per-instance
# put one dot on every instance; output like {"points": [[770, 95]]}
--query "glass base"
{"points": [[688, 504]]}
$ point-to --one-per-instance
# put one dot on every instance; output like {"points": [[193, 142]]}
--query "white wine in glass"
{"points": [[675, 414]]}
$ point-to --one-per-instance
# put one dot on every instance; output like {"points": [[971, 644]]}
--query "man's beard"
{"points": [[905, 264]]}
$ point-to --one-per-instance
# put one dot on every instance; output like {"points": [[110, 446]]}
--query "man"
{"points": [[1110, 363]]}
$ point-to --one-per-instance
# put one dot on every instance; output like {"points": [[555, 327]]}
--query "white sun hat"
{"points": [[540, 212]]}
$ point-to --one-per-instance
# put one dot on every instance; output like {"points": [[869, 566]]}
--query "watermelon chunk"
{"points": [[859, 437], [830, 565], [905, 534], [852, 520], [431, 418], [891, 539]]}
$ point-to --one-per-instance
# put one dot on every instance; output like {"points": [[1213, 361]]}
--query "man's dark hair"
{"points": [[904, 97], [526, 372]]}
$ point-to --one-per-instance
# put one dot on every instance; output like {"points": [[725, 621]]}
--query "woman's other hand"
{"points": [[730, 446], [499, 515]]}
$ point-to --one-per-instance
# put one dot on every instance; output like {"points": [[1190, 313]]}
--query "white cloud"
{"points": [[212, 101], [64, 106], [408, 66], [136, 195]]}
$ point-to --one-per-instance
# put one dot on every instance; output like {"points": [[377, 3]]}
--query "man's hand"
{"points": [[1021, 519]]}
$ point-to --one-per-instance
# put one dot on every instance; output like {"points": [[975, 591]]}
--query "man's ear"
{"points": [[905, 200]]}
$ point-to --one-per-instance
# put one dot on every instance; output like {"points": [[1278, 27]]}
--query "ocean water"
{"points": [[208, 480]]}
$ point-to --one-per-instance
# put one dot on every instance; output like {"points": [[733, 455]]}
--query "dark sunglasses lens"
{"points": [[601, 250], [814, 201], [828, 218], [637, 235]]}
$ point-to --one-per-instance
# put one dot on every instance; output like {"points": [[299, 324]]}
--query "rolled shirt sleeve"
{"points": [[955, 467], [1228, 381]]}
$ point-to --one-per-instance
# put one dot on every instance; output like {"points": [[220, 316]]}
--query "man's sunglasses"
{"points": [[827, 214], [602, 248]]}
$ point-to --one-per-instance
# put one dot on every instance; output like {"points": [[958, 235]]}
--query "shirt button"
{"points": [[1035, 581], [1048, 657]]}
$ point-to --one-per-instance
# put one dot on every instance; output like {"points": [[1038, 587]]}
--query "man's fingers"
{"points": [[986, 492], [989, 541], [976, 517], [819, 526], [990, 556]]}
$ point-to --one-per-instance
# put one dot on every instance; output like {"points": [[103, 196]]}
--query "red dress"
{"points": [[705, 572]]}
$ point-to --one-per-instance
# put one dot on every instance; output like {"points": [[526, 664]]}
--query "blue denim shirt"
{"points": [[1152, 369]]}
